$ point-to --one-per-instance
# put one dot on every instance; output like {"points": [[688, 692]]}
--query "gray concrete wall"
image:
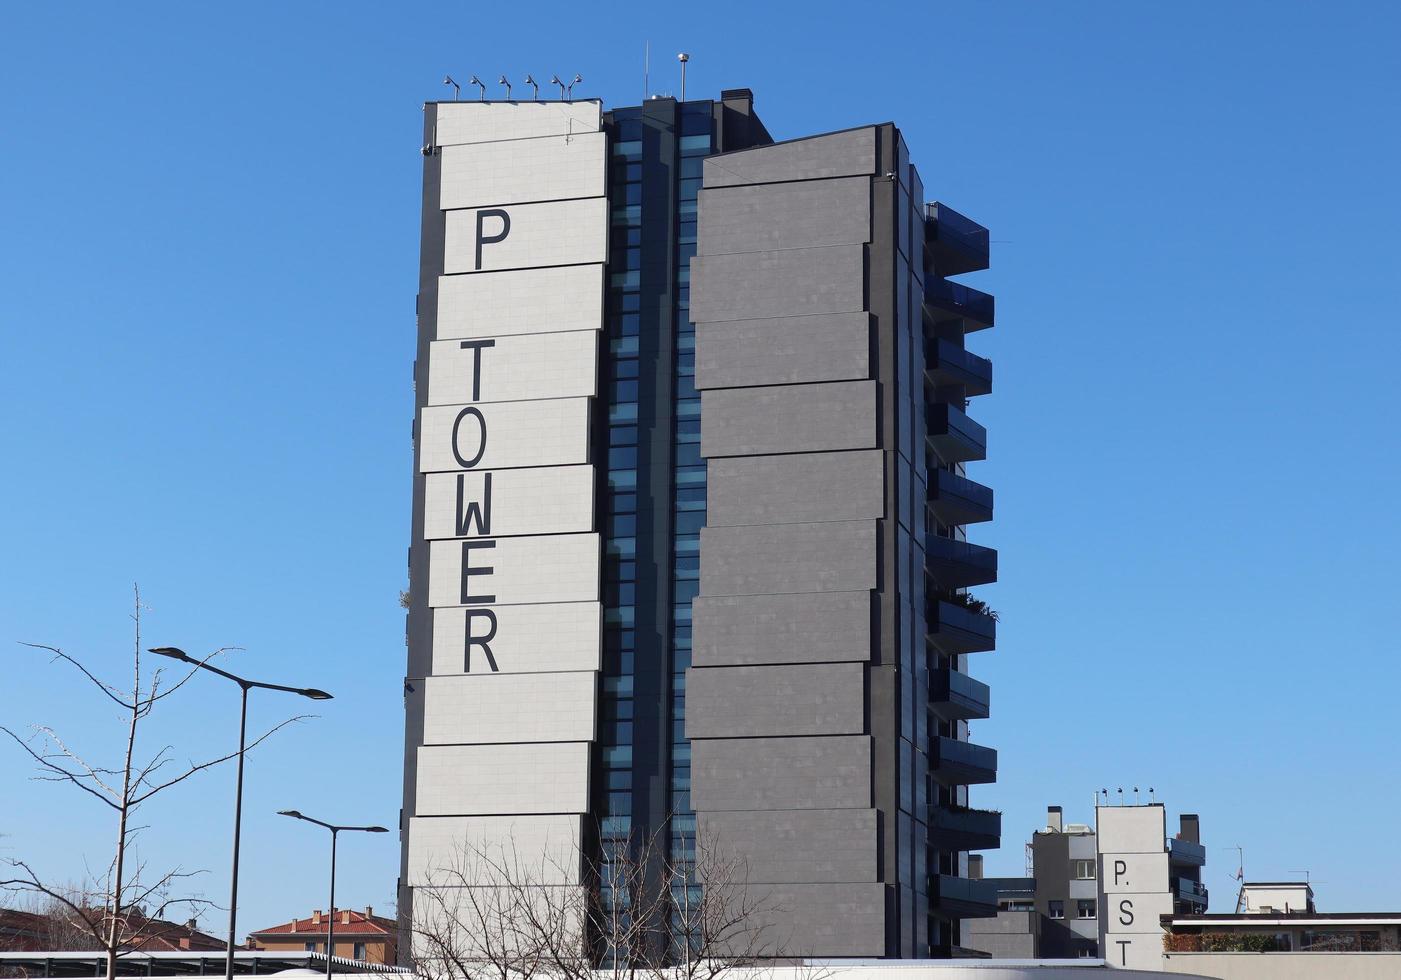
{"points": [[785, 625], [816, 627], [783, 350]]}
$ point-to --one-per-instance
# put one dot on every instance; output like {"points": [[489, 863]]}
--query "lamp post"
{"points": [[331, 913], [174, 653]]}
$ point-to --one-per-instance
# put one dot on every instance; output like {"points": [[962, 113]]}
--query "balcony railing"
{"points": [[956, 301], [954, 564], [957, 828], [1187, 890], [962, 898], [956, 629], [1185, 852], [955, 243], [955, 499], [953, 435], [955, 696], [946, 363], [958, 763]]}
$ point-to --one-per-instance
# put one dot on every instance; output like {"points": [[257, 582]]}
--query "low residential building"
{"points": [[1115, 877], [357, 935], [35, 931]]}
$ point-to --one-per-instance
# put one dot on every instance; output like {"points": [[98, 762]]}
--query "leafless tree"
{"points": [[123, 906], [487, 912]]}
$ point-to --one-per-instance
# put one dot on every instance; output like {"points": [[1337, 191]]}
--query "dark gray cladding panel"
{"points": [[764, 217], [790, 282], [782, 846], [824, 920], [783, 350], [798, 488], [813, 773], [817, 627], [792, 699], [774, 558], [842, 154], [789, 419]]}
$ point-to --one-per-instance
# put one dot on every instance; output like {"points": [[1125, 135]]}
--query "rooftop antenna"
{"points": [[683, 57], [474, 80], [646, 70], [502, 81], [456, 89], [530, 80], [554, 80], [577, 79], [1240, 877]]}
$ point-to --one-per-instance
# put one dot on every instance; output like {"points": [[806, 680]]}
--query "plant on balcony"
{"points": [[1222, 942], [973, 604]]}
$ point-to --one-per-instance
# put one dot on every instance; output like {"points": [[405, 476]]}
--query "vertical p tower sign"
{"points": [[506, 615]]}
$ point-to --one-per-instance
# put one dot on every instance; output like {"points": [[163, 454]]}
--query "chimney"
{"points": [[1053, 814], [316, 917], [192, 924], [975, 867], [345, 917], [369, 911], [1191, 828]]}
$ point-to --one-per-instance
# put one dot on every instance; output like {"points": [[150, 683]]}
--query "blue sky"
{"points": [[208, 257]]}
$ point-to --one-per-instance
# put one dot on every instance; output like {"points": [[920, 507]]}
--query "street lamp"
{"points": [[174, 653], [331, 916]]}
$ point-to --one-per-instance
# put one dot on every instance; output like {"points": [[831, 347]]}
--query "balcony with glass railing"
{"points": [[944, 300], [956, 629], [953, 564], [961, 828], [946, 363], [956, 763], [952, 435], [954, 696], [953, 897], [954, 243], [955, 499]]}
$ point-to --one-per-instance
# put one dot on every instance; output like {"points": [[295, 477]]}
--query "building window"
{"points": [[1057, 909], [359, 951], [1085, 908], [1085, 869], [311, 947]]}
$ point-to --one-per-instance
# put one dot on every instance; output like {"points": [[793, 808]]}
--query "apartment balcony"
{"points": [[953, 243], [954, 696], [955, 629], [956, 763], [1189, 892], [1185, 852], [946, 300], [959, 828], [955, 499], [951, 897], [946, 363], [954, 564], [953, 435]]}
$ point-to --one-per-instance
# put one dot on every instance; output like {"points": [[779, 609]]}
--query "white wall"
{"points": [[445, 850], [508, 709], [1133, 884]]}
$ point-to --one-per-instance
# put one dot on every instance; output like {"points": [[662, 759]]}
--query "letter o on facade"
{"points": [[463, 461]]}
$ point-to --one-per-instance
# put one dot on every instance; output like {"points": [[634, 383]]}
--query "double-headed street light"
{"points": [[331, 913], [174, 653]]}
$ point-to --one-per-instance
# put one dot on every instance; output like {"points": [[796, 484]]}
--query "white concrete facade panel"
{"points": [[526, 236], [481, 122], [499, 304], [551, 432], [483, 708], [528, 639], [445, 851], [504, 503], [509, 571], [549, 168], [517, 368], [543, 777]]}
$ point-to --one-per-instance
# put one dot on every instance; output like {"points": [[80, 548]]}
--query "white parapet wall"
{"points": [[1286, 966]]}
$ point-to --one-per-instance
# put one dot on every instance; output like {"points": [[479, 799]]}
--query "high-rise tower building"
{"points": [[689, 552]]}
